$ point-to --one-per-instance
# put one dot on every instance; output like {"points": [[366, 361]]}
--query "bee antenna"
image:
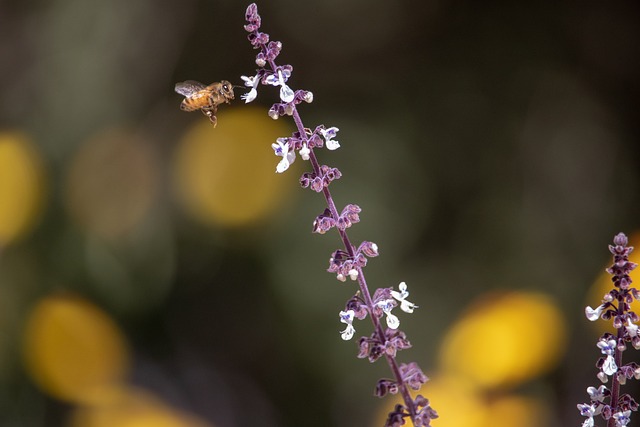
{"points": [[237, 86]]}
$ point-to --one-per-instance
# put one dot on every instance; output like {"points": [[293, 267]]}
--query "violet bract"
{"points": [[347, 262]]}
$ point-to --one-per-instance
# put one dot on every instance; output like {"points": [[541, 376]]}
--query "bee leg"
{"points": [[211, 113]]}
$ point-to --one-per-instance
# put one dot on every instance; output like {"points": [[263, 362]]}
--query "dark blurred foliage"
{"points": [[491, 145]]}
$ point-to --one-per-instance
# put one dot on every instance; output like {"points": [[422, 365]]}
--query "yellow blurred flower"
{"points": [[21, 186], [226, 175], [505, 340], [511, 410], [73, 350], [130, 407]]}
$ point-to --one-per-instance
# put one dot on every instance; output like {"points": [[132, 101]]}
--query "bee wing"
{"points": [[188, 87]]}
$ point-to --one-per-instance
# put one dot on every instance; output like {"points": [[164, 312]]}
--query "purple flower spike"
{"points": [[387, 339], [609, 403]]}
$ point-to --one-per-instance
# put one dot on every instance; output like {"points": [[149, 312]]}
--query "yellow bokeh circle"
{"points": [[73, 350], [505, 340], [512, 410], [226, 175], [21, 186], [131, 407]]}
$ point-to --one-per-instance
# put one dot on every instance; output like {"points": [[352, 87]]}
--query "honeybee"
{"points": [[205, 98]]}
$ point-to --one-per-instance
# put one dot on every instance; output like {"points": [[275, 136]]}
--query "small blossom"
{"points": [[286, 94], [587, 411], [607, 346], [385, 386], [594, 314], [347, 318], [597, 394], [413, 375], [308, 97], [304, 152], [251, 82], [405, 305], [281, 148], [353, 274], [387, 305], [370, 249], [622, 418], [609, 367], [328, 135]]}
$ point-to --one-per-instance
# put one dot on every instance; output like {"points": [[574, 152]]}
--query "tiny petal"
{"points": [[596, 394], [589, 422], [401, 296], [286, 94], [609, 367], [632, 329], [347, 318], [607, 346], [353, 274], [304, 152], [622, 418], [249, 96], [347, 334], [332, 145], [593, 314], [392, 321]]}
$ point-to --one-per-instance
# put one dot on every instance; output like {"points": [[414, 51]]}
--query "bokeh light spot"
{"points": [[73, 350], [21, 186], [510, 411], [112, 182], [505, 340], [226, 175], [131, 407]]}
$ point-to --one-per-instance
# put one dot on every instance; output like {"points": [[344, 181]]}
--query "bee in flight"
{"points": [[205, 98]]}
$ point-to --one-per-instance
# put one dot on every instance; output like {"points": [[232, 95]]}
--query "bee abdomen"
{"points": [[189, 104]]}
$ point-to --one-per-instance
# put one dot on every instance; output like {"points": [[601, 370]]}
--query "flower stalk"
{"points": [[615, 408], [348, 262]]}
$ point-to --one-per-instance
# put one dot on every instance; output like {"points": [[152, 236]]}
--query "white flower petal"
{"points": [[407, 306], [347, 334], [332, 145], [609, 367], [632, 328], [593, 314], [283, 165], [286, 94], [304, 152], [250, 96], [392, 321], [272, 79], [589, 422]]}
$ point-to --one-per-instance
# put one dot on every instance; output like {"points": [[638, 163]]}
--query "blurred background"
{"points": [[155, 271]]}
